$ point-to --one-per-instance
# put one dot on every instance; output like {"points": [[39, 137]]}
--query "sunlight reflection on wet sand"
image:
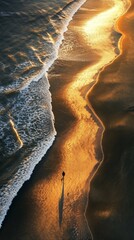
{"points": [[74, 150]]}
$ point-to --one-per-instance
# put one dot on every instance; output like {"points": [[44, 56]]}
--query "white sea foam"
{"points": [[32, 116], [69, 12]]}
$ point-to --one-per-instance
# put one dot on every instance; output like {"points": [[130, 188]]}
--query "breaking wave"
{"points": [[29, 46]]}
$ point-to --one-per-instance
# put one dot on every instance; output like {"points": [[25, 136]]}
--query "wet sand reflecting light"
{"points": [[46, 207]]}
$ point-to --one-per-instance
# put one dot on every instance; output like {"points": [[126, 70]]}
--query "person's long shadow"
{"points": [[61, 204]]}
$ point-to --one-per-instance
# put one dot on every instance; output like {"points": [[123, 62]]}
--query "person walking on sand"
{"points": [[63, 175]]}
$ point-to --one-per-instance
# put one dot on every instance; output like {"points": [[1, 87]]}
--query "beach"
{"points": [[110, 210], [50, 206]]}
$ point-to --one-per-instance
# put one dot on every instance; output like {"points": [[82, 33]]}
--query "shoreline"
{"points": [[110, 206], [44, 185], [14, 176], [70, 153]]}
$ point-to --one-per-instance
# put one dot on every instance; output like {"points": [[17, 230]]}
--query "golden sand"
{"points": [[54, 209]]}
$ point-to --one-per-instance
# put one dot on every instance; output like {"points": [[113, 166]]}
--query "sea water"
{"points": [[30, 35]]}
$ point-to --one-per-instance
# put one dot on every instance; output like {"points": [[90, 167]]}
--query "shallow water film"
{"points": [[66, 120]]}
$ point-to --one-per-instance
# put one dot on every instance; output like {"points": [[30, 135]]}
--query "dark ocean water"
{"points": [[111, 210], [30, 35]]}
